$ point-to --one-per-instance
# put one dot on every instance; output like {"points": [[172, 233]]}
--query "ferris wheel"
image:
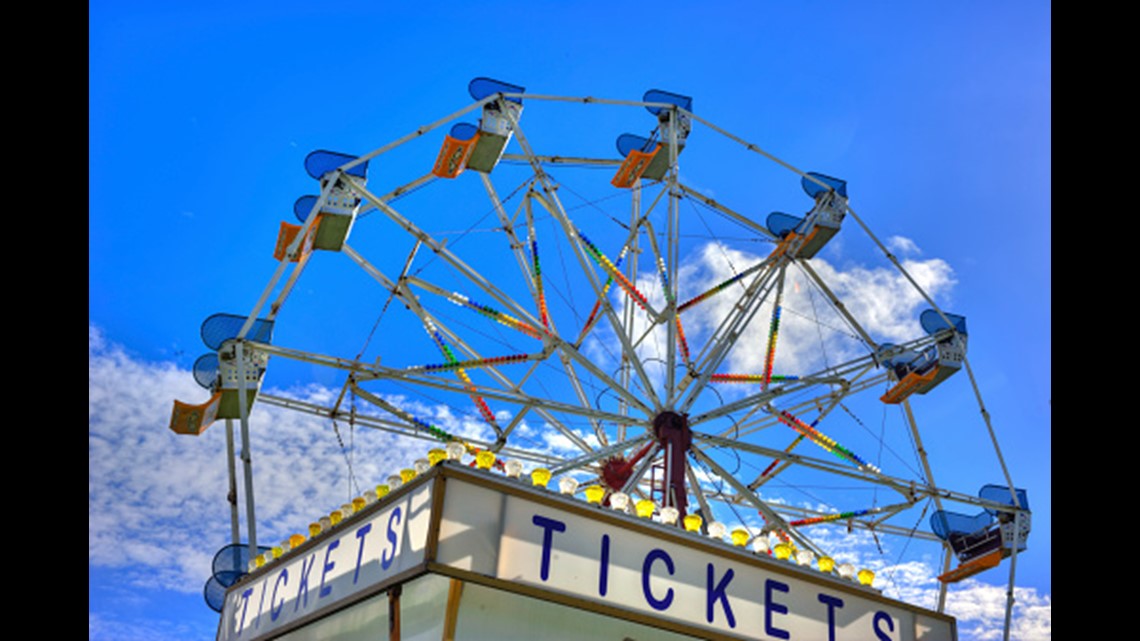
{"points": [[601, 326]]}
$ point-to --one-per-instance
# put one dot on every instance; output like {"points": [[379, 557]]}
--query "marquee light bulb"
{"points": [[826, 564], [421, 465], [866, 576], [540, 476], [382, 491], [783, 550], [740, 537], [567, 485], [619, 501], [484, 459], [760, 544], [435, 455], [804, 557], [395, 481], [407, 474], [669, 515], [717, 530], [847, 571], [455, 451], [295, 540], [314, 529], [692, 523], [358, 504], [278, 551], [595, 493], [326, 523], [645, 508], [335, 516], [513, 468]]}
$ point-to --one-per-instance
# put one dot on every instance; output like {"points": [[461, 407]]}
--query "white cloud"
{"points": [[902, 245]]}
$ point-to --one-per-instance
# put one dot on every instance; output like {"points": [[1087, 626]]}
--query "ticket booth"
{"points": [[460, 553]]}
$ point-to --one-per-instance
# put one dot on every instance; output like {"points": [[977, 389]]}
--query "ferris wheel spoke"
{"points": [[725, 337], [599, 454], [771, 516], [450, 258], [577, 242]]}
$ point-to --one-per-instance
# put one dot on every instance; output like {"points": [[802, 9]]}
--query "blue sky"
{"points": [[201, 114]]}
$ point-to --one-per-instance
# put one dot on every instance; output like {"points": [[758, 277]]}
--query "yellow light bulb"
{"points": [[645, 508], [740, 537], [783, 550], [358, 504], [407, 474], [260, 560], [540, 476], [866, 576], [278, 551], [314, 529], [826, 564], [692, 523], [436, 455], [382, 491], [335, 516], [296, 540], [484, 459], [594, 493]]}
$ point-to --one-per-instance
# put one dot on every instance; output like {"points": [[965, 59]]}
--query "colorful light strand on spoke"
{"points": [[598, 303], [716, 289], [480, 362], [495, 315], [823, 440], [827, 519], [773, 334], [480, 404], [750, 378], [681, 342], [543, 312], [612, 269]]}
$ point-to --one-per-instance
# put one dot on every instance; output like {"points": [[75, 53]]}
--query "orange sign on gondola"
{"points": [[194, 419], [633, 166], [456, 149]]}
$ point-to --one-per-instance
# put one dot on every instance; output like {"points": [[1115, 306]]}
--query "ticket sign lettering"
{"points": [[358, 555], [691, 584]]}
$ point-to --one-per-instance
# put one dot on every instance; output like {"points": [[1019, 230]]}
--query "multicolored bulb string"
{"points": [[495, 315], [750, 378], [480, 404], [823, 441], [829, 518], [773, 334], [598, 303], [542, 308], [681, 342], [612, 270], [480, 362], [716, 289]]}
